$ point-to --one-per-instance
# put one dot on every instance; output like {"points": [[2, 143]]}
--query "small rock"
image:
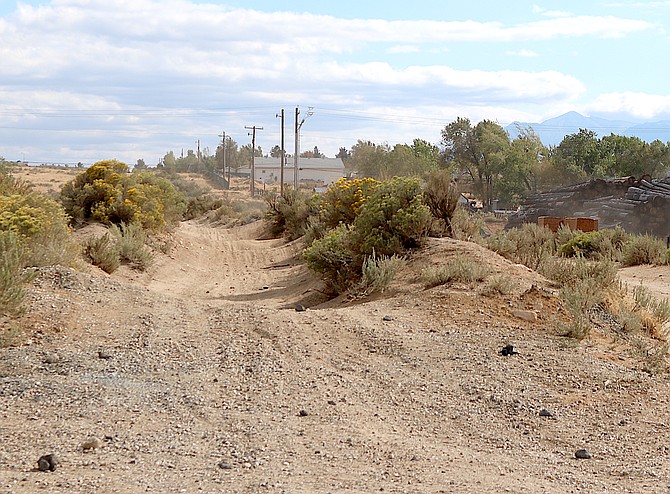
{"points": [[300, 308], [47, 463], [103, 354], [332, 402], [225, 466], [303, 413], [51, 358], [508, 350], [526, 315], [91, 443], [546, 413], [583, 454], [387, 318]]}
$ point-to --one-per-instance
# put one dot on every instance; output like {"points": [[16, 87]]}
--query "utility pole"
{"points": [[222, 135], [296, 151], [253, 157], [283, 157], [298, 126], [198, 150]]}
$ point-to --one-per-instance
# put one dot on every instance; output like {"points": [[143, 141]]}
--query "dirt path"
{"points": [[199, 376]]}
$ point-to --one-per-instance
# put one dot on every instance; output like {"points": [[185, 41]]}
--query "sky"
{"points": [[87, 80]]}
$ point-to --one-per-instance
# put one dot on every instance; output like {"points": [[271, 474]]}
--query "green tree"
{"points": [[275, 152], [524, 163], [370, 159], [631, 156], [344, 155], [480, 152], [580, 154], [428, 153], [313, 154]]}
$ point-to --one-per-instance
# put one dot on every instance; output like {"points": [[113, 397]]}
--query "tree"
{"points": [[140, 165], [312, 154], [524, 164], [428, 153], [579, 153], [370, 159], [344, 155], [480, 152], [631, 156], [275, 152]]}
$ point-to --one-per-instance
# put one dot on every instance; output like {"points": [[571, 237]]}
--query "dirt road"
{"points": [[200, 376]]}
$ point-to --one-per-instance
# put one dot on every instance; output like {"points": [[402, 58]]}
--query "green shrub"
{"points": [[289, 213], [334, 258], [530, 245], [42, 227], [572, 271], [601, 244], [107, 193], [578, 299], [392, 219], [467, 226], [457, 270], [201, 205], [131, 242], [378, 273], [103, 252], [342, 201], [644, 249], [13, 276]]}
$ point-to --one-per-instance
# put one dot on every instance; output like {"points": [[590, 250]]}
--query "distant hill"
{"points": [[553, 131]]}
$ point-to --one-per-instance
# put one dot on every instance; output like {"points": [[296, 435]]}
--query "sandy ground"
{"points": [[200, 376]]}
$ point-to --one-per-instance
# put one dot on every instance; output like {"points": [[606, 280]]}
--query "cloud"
{"points": [[550, 13], [522, 53], [89, 71], [640, 105]]}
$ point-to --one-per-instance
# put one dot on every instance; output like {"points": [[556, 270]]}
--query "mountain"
{"points": [[553, 131]]}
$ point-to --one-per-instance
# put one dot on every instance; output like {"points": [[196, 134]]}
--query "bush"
{"points": [[103, 252], [334, 258], [342, 201], [289, 213], [378, 273], [601, 244], [441, 196], [41, 226], [392, 219], [456, 270], [500, 284], [131, 242], [578, 299], [644, 249], [572, 271], [105, 192], [658, 310], [530, 245], [201, 205], [13, 277]]}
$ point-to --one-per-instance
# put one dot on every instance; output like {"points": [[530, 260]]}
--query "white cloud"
{"points": [[174, 69], [550, 13], [522, 53], [402, 49], [640, 105]]}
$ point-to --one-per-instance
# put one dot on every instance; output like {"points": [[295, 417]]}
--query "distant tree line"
{"points": [[482, 158]]}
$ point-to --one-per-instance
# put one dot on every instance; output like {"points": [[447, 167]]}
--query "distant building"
{"points": [[318, 170]]}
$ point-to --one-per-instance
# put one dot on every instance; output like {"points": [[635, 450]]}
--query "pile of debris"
{"points": [[638, 206]]}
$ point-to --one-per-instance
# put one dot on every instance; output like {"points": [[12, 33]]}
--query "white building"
{"points": [[321, 170]]}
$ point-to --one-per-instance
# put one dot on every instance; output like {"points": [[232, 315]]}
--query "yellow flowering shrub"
{"points": [[342, 201]]}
